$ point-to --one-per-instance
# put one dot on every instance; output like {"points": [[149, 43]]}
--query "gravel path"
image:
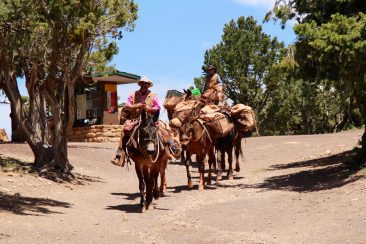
{"points": [[291, 189]]}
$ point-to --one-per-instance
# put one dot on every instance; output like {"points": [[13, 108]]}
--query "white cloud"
{"points": [[256, 3]]}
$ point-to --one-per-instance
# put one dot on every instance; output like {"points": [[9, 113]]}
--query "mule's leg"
{"points": [[237, 165], [223, 165], [187, 164], [141, 183], [211, 162], [156, 191], [220, 157], [201, 169], [183, 156], [229, 152], [163, 183], [149, 180]]}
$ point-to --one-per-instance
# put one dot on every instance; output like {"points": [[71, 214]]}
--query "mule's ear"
{"points": [[189, 92], [143, 116], [185, 91]]}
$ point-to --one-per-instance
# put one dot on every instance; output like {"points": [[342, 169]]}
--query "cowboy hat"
{"points": [[146, 80], [210, 67]]}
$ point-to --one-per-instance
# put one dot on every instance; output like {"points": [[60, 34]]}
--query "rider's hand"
{"points": [[139, 106], [143, 106]]}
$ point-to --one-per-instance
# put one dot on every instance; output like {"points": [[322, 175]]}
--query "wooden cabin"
{"points": [[96, 108]]}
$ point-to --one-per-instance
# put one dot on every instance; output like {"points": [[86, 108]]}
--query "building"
{"points": [[96, 107]]}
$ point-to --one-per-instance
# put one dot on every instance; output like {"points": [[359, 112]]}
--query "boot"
{"points": [[174, 149], [117, 161]]}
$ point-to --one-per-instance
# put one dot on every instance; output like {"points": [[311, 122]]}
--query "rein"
{"points": [[137, 145], [200, 121]]}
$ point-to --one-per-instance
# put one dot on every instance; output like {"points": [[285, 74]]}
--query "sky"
{"points": [[171, 37]]}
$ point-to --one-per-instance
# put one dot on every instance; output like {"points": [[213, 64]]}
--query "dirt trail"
{"points": [[291, 189]]}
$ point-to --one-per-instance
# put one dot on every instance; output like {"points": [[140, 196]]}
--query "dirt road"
{"points": [[291, 189]]}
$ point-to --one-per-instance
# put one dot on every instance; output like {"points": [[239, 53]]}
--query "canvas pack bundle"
{"points": [[172, 98], [217, 124], [183, 109], [243, 117], [209, 109], [129, 125], [124, 115], [175, 123], [164, 131]]}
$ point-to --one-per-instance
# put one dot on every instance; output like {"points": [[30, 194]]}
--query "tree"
{"points": [[331, 41], [50, 43], [244, 59]]}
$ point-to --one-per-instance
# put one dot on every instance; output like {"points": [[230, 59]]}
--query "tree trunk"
{"points": [[60, 159]]}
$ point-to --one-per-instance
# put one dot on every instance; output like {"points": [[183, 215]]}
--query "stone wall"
{"points": [[96, 133]]}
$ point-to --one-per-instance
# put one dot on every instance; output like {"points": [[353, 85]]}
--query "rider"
{"points": [[136, 102], [213, 89]]}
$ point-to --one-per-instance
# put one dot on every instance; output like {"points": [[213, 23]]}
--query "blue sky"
{"points": [[171, 37]]}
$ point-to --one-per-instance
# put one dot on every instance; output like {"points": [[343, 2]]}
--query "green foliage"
{"points": [[51, 43], [260, 72], [331, 48]]}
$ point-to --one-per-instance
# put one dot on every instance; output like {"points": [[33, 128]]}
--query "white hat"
{"points": [[147, 80]]}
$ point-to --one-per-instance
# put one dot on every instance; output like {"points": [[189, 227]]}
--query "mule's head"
{"points": [[185, 132], [148, 133]]}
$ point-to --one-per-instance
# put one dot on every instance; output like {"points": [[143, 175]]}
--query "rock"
{"points": [[3, 136]]}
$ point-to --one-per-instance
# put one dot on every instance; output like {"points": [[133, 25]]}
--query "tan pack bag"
{"points": [[209, 109], [183, 109], [130, 125], [243, 117], [172, 98], [124, 115], [217, 124]]}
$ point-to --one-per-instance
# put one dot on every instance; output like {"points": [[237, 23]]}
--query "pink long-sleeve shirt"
{"points": [[155, 104]]}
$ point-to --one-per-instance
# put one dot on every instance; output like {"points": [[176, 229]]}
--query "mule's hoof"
{"points": [[190, 184], [237, 169], [230, 177], [219, 177], [201, 187], [146, 206]]}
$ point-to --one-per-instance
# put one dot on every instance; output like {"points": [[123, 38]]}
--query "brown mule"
{"points": [[151, 157]]}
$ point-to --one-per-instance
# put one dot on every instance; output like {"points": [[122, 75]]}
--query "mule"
{"points": [[151, 157], [226, 145], [198, 141]]}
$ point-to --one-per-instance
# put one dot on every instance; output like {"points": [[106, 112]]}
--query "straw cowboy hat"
{"points": [[210, 67], [147, 80]]}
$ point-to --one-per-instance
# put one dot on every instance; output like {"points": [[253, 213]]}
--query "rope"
{"points": [[157, 155], [204, 130]]}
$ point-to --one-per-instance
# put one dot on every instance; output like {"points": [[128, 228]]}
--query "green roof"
{"points": [[118, 77]]}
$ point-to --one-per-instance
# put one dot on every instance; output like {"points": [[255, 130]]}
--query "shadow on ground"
{"points": [[323, 174], [8, 164], [18, 204]]}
